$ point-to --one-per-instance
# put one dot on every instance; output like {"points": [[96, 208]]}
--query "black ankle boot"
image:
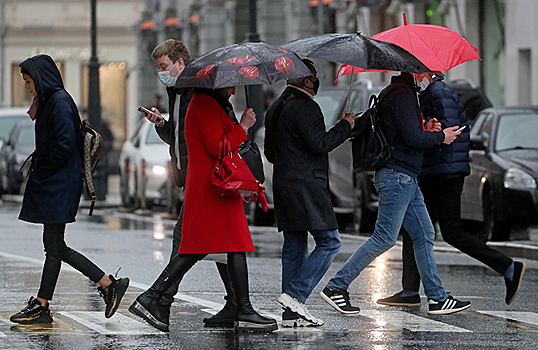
{"points": [[148, 305], [246, 318], [225, 317]]}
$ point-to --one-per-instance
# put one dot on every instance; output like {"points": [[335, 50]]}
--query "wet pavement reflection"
{"points": [[141, 246]]}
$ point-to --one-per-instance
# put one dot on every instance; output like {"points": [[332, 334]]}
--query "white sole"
{"points": [[336, 307], [299, 311]]}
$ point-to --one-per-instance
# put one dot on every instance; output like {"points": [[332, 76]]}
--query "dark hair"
{"points": [[299, 82]]}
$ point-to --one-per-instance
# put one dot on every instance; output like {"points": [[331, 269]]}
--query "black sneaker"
{"points": [[512, 286], [113, 294], [448, 306], [339, 300], [398, 300], [33, 313]]}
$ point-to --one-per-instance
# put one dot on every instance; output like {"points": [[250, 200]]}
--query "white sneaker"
{"points": [[297, 307]]}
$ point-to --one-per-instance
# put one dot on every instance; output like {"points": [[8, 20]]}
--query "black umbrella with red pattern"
{"points": [[247, 63]]}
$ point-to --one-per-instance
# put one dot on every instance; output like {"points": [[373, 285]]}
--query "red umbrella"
{"points": [[439, 48]]}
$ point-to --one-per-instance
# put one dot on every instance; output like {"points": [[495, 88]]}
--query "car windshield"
{"points": [[328, 101], [153, 137], [517, 131], [26, 136], [7, 124]]}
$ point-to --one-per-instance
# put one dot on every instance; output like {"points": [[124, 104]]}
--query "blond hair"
{"points": [[174, 49]]}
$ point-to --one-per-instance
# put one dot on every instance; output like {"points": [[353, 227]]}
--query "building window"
{"points": [[112, 88]]}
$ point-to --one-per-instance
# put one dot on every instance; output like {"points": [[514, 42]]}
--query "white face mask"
{"points": [[166, 78], [423, 84]]}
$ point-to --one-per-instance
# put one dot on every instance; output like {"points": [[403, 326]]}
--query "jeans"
{"points": [[400, 202], [443, 201], [300, 272], [57, 251]]}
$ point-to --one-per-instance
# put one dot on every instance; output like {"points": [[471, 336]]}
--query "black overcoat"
{"points": [[298, 144], [54, 185]]}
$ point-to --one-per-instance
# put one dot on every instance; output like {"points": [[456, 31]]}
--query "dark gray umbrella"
{"points": [[247, 63], [357, 50]]}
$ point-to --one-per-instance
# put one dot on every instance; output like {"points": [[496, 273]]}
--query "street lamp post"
{"points": [[254, 92], [94, 101]]}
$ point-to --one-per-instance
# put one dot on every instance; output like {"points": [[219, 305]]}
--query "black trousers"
{"points": [[443, 201], [57, 251]]}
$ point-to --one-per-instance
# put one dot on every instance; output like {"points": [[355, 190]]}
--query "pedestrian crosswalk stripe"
{"points": [[2, 335], [119, 324], [405, 320], [519, 316]]}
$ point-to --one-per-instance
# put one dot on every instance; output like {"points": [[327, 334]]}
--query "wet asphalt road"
{"points": [[141, 247]]}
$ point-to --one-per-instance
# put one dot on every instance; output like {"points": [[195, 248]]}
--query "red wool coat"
{"points": [[211, 223]]}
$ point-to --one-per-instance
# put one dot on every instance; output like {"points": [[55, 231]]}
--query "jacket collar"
{"points": [[302, 90], [224, 103]]}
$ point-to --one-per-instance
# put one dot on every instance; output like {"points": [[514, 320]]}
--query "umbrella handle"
{"points": [[246, 95], [350, 88]]}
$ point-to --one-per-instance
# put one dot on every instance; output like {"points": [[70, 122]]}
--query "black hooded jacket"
{"points": [[54, 185]]}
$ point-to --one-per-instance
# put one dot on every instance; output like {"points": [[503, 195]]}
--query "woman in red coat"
{"points": [[212, 224]]}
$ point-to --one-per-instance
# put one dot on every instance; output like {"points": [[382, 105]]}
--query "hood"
{"points": [[46, 76], [404, 78]]}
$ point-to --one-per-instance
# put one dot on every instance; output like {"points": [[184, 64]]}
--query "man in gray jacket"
{"points": [[297, 143]]}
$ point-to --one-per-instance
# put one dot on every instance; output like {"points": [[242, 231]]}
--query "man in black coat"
{"points": [[297, 143], [171, 57]]}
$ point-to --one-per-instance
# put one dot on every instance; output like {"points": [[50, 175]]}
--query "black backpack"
{"points": [[91, 143], [370, 148]]}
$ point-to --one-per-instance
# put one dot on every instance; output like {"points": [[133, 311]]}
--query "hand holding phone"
{"points": [[461, 128], [159, 119]]}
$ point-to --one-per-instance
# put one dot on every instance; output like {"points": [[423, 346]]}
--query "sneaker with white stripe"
{"points": [[448, 306], [339, 299]]}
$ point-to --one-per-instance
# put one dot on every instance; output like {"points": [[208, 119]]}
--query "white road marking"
{"points": [[2, 335], [403, 320], [518, 316], [119, 324]]}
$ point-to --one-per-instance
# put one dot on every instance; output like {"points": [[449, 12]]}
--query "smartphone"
{"points": [[460, 129], [145, 110]]}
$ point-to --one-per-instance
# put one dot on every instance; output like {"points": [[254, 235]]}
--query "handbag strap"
{"points": [[224, 146]]}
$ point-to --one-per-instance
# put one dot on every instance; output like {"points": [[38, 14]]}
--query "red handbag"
{"points": [[232, 176]]}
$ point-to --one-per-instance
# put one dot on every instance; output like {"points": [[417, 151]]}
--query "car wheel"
{"points": [[494, 229]]}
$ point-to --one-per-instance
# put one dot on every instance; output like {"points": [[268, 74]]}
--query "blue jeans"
{"points": [[400, 201], [301, 272]]}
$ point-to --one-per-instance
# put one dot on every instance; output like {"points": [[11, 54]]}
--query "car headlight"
{"points": [[158, 170], [518, 179]]}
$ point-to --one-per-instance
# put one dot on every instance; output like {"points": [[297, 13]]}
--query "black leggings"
{"points": [[57, 251]]}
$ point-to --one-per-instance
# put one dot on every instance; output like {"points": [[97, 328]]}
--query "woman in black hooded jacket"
{"points": [[54, 187]]}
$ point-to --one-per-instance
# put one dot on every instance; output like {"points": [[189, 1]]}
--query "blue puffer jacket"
{"points": [[441, 102], [55, 182]]}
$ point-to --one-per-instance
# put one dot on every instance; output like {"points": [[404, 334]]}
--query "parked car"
{"points": [[353, 195], [501, 190], [8, 118], [144, 167], [15, 150]]}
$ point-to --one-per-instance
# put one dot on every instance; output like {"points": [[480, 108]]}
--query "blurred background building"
{"points": [[128, 30]]}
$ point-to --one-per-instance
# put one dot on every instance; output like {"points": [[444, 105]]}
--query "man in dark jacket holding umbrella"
{"points": [[297, 143], [441, 182]]}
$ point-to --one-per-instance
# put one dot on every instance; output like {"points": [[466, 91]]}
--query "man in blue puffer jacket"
{"points": [[441, 182]]}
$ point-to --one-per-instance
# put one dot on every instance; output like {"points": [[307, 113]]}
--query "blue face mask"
{"points": [[166, 78]]}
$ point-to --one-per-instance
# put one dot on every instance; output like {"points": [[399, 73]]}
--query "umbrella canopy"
{"points": [[439, 48], [247, 63], [357, 50]]}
